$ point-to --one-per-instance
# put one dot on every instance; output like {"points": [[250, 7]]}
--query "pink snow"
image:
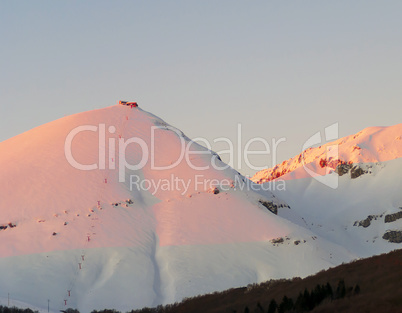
{"points": [[55, 206], [371, 145]]}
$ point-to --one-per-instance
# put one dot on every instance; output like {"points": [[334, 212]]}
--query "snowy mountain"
{"points": [[371, 145], [115, 208], [83, 227], [362, 211]]}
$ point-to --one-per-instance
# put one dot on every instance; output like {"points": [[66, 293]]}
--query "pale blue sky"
{"points": [[282, 69]]}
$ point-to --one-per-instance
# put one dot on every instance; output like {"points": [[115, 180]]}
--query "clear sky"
{"points": [[280, 68]]}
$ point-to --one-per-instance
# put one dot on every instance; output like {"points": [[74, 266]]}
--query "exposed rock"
{"points": [[277, 240], [270, 206], [356, 171], [323, 163], [394, 236], [343, 169], [214, 190], [297, 242], [4, 227], [366, 222], [392, 217]]}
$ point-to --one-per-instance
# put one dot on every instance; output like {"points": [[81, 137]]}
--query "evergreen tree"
{"points": [[319, 294], [308, 299], [272, 306], [301, 304], [259, 308], [356, 290], [341, 289], [313, 299], [329, 291], [286, 305]]}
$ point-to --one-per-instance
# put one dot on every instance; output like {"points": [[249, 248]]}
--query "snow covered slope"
{"points": [[123, 237], [371, 145], [363, 212], [357, 214]]}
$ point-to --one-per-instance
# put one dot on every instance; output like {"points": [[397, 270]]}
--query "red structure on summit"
{"points": [[132, 104]]}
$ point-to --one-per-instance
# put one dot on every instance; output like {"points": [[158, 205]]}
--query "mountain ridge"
{"points": [[371, 145]]}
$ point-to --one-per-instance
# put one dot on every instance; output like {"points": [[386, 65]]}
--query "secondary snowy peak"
{"points": [[371, 145], [348, 191]]}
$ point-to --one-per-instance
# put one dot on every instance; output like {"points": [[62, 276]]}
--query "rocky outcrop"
{"points": [[389, 218], [343, 169], [214, 190], [273, 207], [9, 225], [394, 236], [270, 206], [366, 222], [355, 170], [277, 240]]}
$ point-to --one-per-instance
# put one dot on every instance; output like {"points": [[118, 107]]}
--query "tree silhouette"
{"points": [[272, 306], [301, 304], [340, 290], [286, 305], [329, 291], [356, 290]]}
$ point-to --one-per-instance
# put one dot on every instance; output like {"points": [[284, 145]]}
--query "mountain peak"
{"points": [[371, 145]]}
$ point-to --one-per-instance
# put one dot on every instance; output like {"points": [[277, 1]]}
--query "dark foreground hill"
{"points": [[367, 285]]}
